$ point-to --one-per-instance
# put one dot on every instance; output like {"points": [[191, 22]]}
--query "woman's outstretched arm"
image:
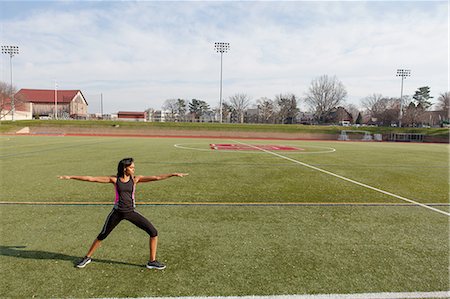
{"points": [[94, 179], [145, 179]]}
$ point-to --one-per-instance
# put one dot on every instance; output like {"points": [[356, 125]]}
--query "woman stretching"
{"points": [[124, 207]]}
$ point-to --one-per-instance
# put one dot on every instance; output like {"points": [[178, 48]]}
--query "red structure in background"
{"points": [[244, 147]]}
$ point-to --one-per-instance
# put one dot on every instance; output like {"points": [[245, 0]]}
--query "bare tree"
{"points": [[5, 95], [324, 94], [175, 109], [287, 108], [266, 110], [239, 102], [181, 110], [370, 103], [170, 108], [391, 111], [412, 114], [382, 110], [375, 105], [6, 92]]}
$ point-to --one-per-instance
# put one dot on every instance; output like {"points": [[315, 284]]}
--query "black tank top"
{"points": [[124, 196]]}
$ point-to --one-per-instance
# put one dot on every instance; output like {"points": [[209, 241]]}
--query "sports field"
{"points": [[254, 217]]}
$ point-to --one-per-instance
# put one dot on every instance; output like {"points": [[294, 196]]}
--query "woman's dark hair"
{"points": [[124, 163]]}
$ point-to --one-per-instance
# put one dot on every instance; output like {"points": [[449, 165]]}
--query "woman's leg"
{"points": [[153, 246], [111, 222], [96, 244], [140, 221]]}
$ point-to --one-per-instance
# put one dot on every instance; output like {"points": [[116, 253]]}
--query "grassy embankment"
{"points": [[9, 127]]}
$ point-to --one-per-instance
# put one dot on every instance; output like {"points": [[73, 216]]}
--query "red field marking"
{"points": [[243, 147]]}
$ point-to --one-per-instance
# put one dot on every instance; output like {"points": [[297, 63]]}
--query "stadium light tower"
{"points": [[11, 50], [221, 48], [402, 73]]}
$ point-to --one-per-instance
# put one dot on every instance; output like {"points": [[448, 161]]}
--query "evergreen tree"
{"points": [[359, 119], [198, 108], [422, 97]]}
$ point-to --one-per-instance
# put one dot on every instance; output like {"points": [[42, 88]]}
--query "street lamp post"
{"points": [[11, 50], [402, 73], [221, 48], [56, 101]]}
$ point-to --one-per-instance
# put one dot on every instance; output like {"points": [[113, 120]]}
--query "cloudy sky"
{"points": [[140, 53]]}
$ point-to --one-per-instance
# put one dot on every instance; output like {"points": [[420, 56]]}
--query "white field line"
{"points": [[325, 149], [347, 179], [405, 295]]}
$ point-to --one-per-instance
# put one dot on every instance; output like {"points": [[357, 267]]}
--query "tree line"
{"points": [[325, 99]]}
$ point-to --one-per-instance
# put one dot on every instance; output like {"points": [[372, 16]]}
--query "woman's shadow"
{"points": [[20, 252]]}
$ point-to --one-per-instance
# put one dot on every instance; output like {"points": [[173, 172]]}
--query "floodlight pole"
{"points": [[11, 50], [402, 73], [221, 48]]}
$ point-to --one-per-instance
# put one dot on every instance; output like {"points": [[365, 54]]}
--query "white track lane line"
{"points": [[347, 179], [387, 295]]}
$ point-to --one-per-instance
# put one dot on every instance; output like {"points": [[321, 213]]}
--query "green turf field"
{"points": [[221, 230]]}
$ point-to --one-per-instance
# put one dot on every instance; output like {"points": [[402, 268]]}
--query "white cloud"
{"points": [[140, 53]]}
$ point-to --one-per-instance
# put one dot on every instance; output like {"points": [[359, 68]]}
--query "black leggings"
{"points": [[134, 217]]}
